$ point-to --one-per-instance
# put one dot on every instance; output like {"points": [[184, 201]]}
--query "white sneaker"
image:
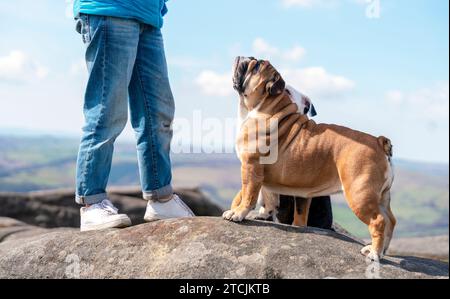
{"points": [[174, 208], [102, 216]]}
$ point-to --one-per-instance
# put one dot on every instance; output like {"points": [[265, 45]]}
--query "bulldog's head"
{"points": [[255, 80]]}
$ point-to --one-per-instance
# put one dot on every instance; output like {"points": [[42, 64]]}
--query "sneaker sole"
{"points": [[118, 223], [153, 219]]}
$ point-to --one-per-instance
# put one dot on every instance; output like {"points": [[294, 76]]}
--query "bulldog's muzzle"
{"points": [[239, 71]]}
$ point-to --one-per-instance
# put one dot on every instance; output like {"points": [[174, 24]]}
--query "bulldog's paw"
{"points": [[259, 217], [371, 254], [228, 214], [262, 214], [236, 215], [366, 250]]}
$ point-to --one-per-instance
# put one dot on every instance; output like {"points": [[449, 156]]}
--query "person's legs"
{"points": [[152, 111], [110, 56], [321, 213]]}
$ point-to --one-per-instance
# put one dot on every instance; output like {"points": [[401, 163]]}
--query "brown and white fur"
{"points": [[270, 201], [313, 159]]}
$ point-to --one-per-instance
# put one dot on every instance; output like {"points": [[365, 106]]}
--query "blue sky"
{"points": [[387, 75]]}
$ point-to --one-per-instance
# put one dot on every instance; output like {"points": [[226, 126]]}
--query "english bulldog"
{"points": [[312, 160]]}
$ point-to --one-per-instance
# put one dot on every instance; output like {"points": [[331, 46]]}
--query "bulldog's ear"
{"points": [[309, 107], [313, 111], [276, 86]]}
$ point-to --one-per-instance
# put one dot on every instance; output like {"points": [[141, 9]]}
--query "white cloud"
{"points": [[317, 82], [295, 54], [263, 49], [432, 101], [395, 96], [18, 66], [314, 81], [215, 84]]}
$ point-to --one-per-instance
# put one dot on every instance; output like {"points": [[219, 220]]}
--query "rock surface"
{"points": [[436, 247], [57, 208], [195, 248]]}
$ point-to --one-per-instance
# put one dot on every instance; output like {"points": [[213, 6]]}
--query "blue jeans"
{"points": [[127, 67]]}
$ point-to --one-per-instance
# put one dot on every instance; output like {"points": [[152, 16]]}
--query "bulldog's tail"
{"points": [[386, 145]]}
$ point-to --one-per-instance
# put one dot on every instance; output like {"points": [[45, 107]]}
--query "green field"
{"points": [[420, 195]]}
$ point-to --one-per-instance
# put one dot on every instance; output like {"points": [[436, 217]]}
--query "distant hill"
{"points": [[420, 193]]}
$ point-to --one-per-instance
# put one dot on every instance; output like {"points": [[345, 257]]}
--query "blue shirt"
{"points": [[146, 11]]}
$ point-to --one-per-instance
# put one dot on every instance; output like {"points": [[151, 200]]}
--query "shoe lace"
{"points": [[108, 207]]}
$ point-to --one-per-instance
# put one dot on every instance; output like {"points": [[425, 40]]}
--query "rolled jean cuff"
{"points": [[163, 194], [90, 199]]}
